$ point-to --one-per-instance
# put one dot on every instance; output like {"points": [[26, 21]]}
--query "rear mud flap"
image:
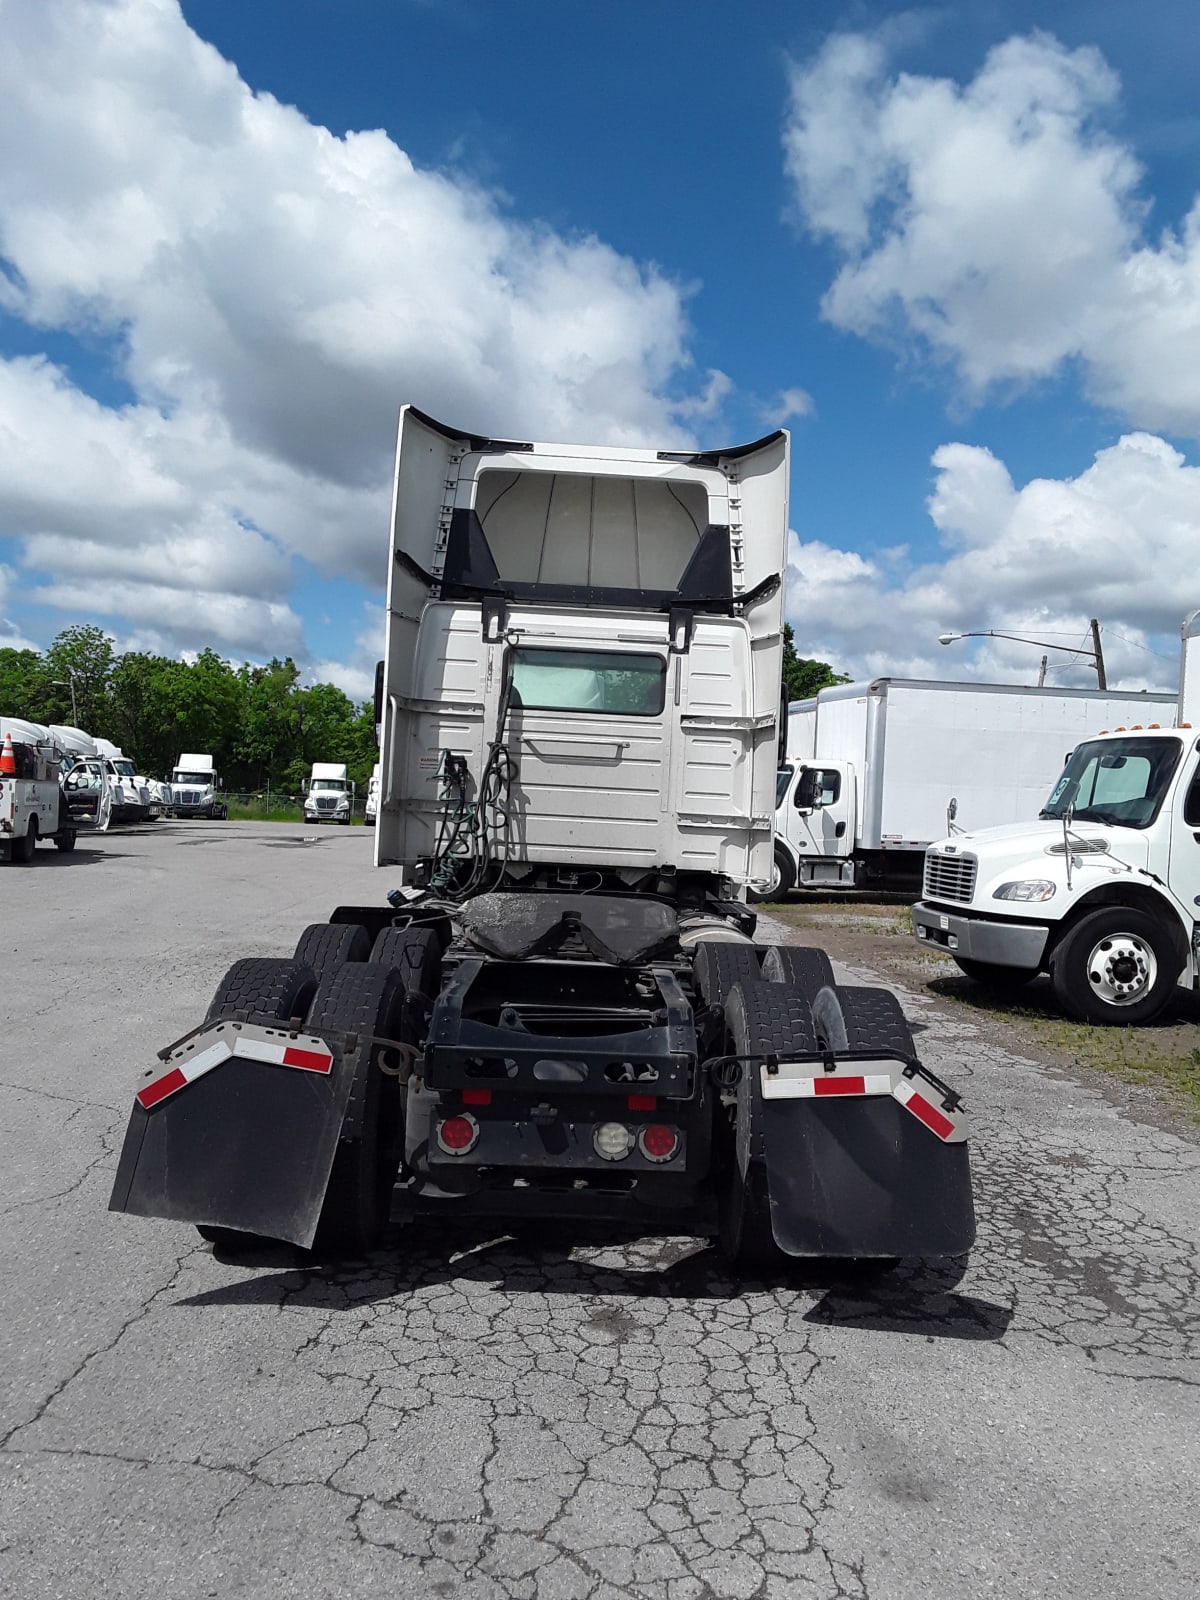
{"points": [[863, 1177], [248, 1146]]}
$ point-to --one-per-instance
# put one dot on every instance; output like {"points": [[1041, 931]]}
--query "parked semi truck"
{"points": [[1102, 890], [875, 769], [195, 788], [130, 792], [328, 793], [561, 1010]]}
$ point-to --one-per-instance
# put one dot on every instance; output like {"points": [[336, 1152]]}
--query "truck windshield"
{"points": [[1120, 782], [124, 768], [782, 778], [330, 783], [202, 778], [619, 683]]}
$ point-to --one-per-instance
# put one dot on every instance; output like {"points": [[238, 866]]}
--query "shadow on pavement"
{"points": [[916, 1297]]}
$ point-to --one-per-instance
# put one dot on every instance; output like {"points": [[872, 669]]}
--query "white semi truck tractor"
{"points": [[195, 788], [560, 1009], [1102, 890], [328, 793]]}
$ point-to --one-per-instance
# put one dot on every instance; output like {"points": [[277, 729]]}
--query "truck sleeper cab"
{"points": [[580, 728]]}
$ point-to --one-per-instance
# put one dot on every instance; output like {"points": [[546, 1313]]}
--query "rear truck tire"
{"points": [[861, 1019], [719, 964], [324, 946], [366, 1001], [264, 988], [808, 968], [267, 990], [993, 976], [23, 848], [64, 840], [783, 878], [1116, 966], [414, 954], [761, 1018]]}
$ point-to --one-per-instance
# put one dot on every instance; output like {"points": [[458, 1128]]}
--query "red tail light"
{"points": [[457, 1134], [658, 1142]]}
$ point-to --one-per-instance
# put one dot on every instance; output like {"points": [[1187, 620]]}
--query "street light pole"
{"points": [[1095, 654], [57, 683]]}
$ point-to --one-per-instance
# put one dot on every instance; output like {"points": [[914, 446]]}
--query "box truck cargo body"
{"points": [[878, 770]]}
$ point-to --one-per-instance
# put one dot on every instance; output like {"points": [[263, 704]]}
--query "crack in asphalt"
{"points": [[573, 1416]]}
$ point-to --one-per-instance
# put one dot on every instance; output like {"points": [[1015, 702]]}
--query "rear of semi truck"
{"points": [[561, 1010]]}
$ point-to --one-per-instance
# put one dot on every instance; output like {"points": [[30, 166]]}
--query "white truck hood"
{"points": [[1027, 850]]}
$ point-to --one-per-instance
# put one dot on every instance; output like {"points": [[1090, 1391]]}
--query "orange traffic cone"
{"points": [[8, 762]]}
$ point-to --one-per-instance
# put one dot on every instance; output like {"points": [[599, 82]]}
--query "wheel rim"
{"points": [[1122, 969]]}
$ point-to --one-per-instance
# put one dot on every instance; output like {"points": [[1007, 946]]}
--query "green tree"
{"points": [[24, 691], [82, 657], [266, 742], [803, 677]]}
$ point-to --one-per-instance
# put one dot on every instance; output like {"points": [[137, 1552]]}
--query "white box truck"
{"points": [[876, 771], [561, 1012], [195, 788], [328, 793], [1101, 890]]}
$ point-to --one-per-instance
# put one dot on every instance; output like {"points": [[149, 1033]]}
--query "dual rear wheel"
{"points": [[364, 999], [779, 1002]]}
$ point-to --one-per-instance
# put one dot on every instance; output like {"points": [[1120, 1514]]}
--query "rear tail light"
{"points": [[458, 1134], [657, 1142]]}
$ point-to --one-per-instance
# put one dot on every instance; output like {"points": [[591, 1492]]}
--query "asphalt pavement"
{"points": [[471, 1414]]}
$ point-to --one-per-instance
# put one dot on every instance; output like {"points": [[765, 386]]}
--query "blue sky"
{"points": [[956, 250]]}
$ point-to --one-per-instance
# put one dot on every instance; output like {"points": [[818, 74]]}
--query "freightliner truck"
{"points": [[1101, 890], [560, 1009]]}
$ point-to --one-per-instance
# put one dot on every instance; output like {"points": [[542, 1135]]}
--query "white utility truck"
{"points": [[371, 805], [195, 788], [561, 1010], [130, 792], [1102, 890], [877, 771], [328, 793], [32, 803]]}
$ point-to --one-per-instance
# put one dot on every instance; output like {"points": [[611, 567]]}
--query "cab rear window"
{"points": [[616, 683]]}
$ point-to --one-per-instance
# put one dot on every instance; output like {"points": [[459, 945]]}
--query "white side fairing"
{"points": [[595, 611]]}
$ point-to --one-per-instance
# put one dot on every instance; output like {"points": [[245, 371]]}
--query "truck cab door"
{"points": [[822, 809], [1184, 874]]}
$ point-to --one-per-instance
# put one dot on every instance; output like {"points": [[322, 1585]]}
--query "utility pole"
{"points": [[1101, 679]]}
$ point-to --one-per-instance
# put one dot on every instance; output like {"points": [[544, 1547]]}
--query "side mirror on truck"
{"points": [[809, 789]]}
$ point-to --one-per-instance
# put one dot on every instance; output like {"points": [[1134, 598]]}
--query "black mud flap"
{"points": [[863, 1177], [248, 1146]]}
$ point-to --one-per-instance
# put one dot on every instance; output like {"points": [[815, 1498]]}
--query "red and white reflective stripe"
{"points": [[911, 1098], [829, 1083], [281, 1055], [273, 1052]]}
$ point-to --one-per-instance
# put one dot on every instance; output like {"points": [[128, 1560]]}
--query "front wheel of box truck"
{"points": [[783, 878], [1116, 966]]}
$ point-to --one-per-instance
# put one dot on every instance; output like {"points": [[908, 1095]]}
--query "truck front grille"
{"points": [[949, 877]]}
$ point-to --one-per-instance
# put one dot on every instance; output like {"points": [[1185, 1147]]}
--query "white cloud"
{"points": [[1117, 543], [273, 292], [11, 637], [998, 221]]}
